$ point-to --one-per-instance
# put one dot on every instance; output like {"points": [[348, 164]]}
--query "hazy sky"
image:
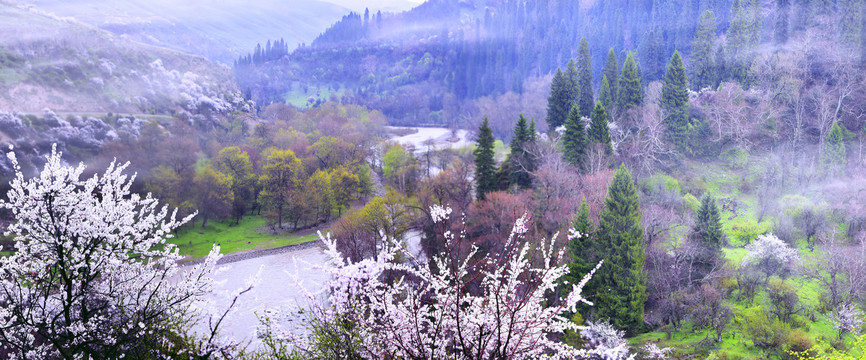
{"points": [[387, 5]]}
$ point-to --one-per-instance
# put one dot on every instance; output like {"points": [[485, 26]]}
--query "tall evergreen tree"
{"points": [[675, 102], [563, 91], [533, 134], [604, 94], [780, 29], [521, 165], [582, 250], [599, 132], [485, 165], [620, 244], [611, 71], [701, 61], [586, 98], [708, 225], [630, 89], [738, 44], [834, 154], [574, 139]]}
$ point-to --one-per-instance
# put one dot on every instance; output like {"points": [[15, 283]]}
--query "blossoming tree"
{"points": [[464, 306], [91, 274]]}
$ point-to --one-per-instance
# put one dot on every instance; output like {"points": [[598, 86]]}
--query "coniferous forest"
{"points": [[460, 179]]}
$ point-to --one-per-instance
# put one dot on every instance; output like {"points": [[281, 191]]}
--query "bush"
{"points": [[692, 202], [736, 158], [764, 332], [654, 182], [797, 344]]}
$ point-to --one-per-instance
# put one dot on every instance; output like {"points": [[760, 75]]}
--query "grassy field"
{"points": [[250, 234]]}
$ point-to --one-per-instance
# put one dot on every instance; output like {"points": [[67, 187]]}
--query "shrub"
{"points": [[692, 202], [736, 158]]}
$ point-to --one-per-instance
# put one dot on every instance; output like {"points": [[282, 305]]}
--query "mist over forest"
{"points": [[446, 179]]}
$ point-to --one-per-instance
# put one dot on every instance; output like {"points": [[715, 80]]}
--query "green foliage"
{"points": [[213, 195], [605, 94], [571, 337], [708, 225], [629, 88], [344, 187], [485, 165], [611, 72], [651, 183], [701, 62], [620, 244], [574, 140], [692, 202], [764, 331], [280, 179], [675, 102], [747, 230], [598, 128], [585, 100], [834, 154], [521, 161], [582, 252], [736, 158]]}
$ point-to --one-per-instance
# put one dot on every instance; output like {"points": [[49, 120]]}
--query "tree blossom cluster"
{"points": [[456, 307], [91, 273], [770, 254]]}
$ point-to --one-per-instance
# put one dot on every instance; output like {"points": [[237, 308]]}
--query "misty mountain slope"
{"points": [[218, 30], [413, 64], [47, 62]]}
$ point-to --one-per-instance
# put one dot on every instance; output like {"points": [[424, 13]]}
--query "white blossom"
{"points": [[91, 269], [491, 306]]}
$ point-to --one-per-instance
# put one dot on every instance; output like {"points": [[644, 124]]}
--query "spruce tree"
{"points": [[533, 134], [708, 225], [574, 139], [573, 82], [619, 240], [485, 165], [611, 71], [701, 61], [599, 132], [604, 94], [586, 98], [563, 94], [630, 89], [675, 102], [834, 154], [737, 46], [582, 251], [518, 159], [556, 110]]}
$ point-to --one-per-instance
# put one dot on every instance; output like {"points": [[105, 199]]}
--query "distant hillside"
{"points": [[46, 62], [417, 64], [217, 30]]}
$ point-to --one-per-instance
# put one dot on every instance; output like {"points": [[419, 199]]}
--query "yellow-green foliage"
{"points": [[653, 182], [692, 202], [824, 351], [747, 230]]}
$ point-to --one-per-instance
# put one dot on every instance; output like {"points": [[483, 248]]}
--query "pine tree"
{"points": [[721, 66], [519, 158], [630, 89], [561, 98], [611, 71], [701, 61], [533, 134], [675, 102], [586, 98], [485, 165], [574, 139], [604, 94], [708, 224], [599, 132], [834, 154], [619, 241]]}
